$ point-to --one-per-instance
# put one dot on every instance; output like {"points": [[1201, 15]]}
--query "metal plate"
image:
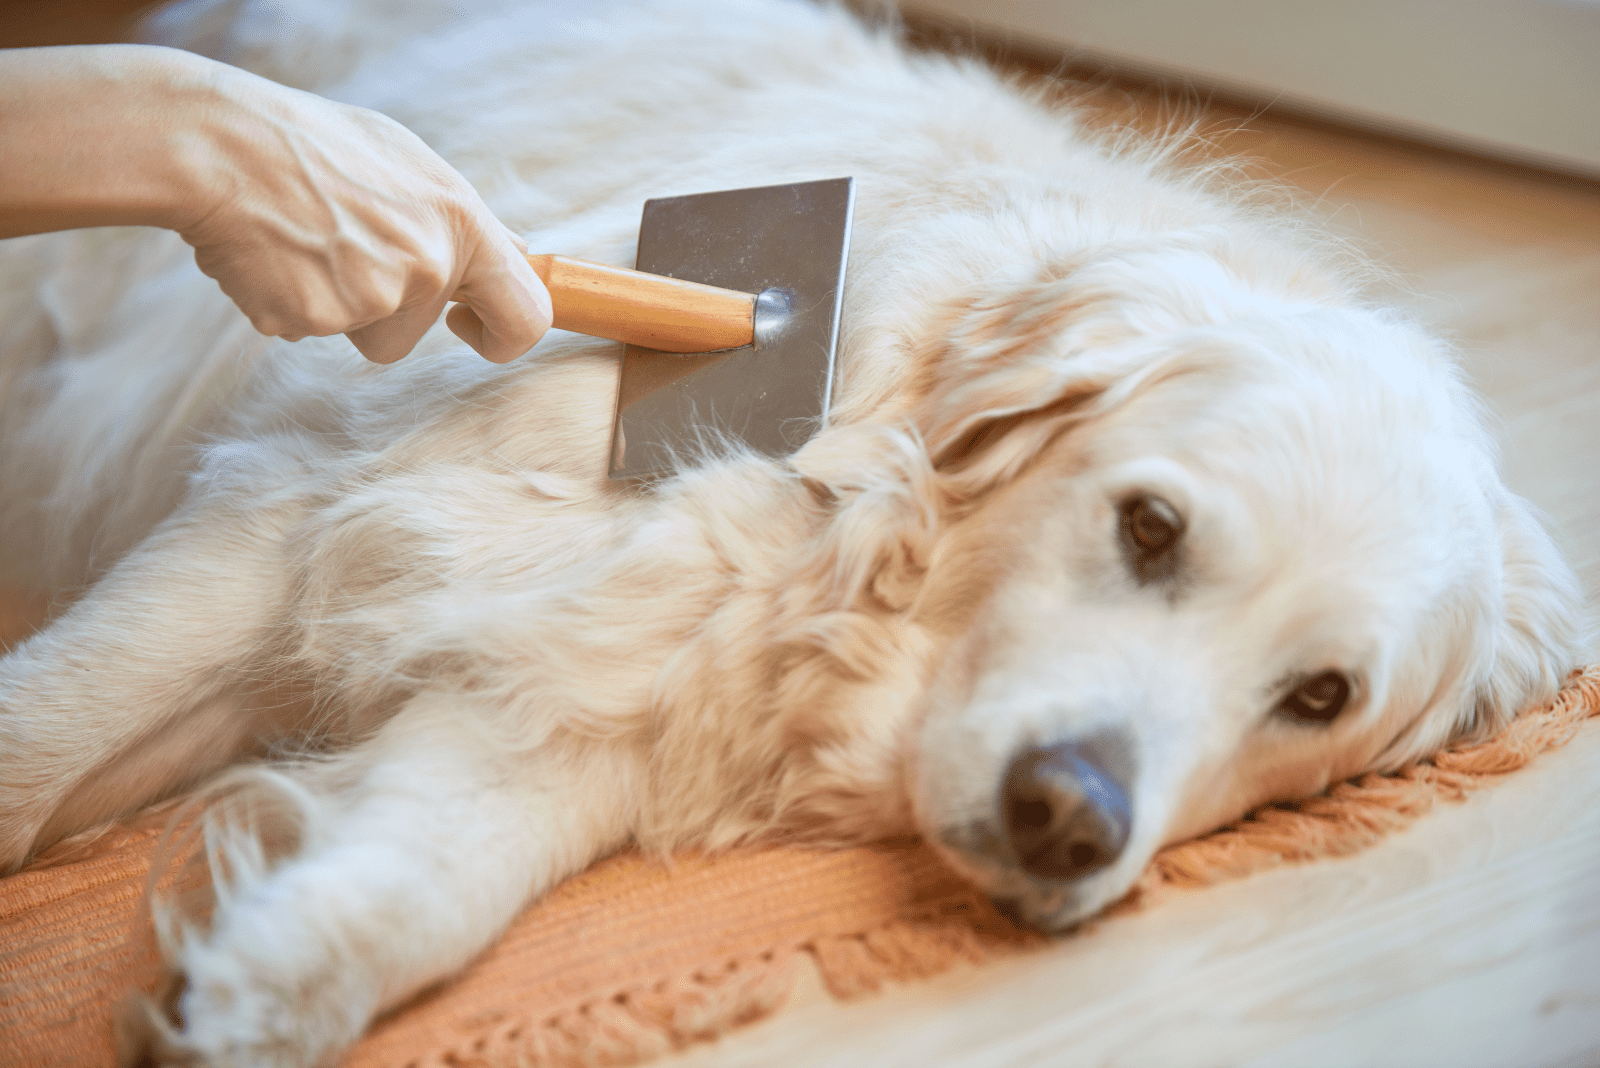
{"points": [[772, 396]]}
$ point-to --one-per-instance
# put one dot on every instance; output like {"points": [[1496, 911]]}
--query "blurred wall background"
{"points": [[1516, 79]]}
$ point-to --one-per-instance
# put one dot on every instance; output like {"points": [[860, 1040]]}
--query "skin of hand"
{"points": [[315, 217]]}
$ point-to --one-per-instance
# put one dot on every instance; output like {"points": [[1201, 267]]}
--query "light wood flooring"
{"points": [[1472, 939]]}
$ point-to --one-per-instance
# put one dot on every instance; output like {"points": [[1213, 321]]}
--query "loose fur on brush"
{"points": [[1121, 470]]}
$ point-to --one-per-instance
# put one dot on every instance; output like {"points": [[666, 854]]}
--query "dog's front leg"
{"points": [[435, 837], [125, 696]]}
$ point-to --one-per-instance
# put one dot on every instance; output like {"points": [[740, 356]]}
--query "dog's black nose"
{"points": [[1066, 812]]}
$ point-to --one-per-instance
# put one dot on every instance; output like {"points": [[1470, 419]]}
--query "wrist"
{"points": [[106, 135], [191, 116]]}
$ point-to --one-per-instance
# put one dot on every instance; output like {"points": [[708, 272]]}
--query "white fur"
{"points": [[477, 665]]}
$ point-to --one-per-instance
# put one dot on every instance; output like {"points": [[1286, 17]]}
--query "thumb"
{"points": [[465, 324], [504, 309]]}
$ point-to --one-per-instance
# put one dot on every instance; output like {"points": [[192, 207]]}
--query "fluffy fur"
{"points": [[474, 665]]}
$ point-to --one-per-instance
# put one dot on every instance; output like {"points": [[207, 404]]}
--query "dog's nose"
{"points": [[1066, 813]]}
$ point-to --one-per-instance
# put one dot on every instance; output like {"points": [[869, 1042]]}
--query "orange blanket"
{"points": [[636, 957]]}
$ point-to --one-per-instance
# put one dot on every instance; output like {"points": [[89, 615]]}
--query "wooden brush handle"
{"points": [[645, 309]]}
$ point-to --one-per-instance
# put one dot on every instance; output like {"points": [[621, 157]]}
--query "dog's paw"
{"points": [[253, 1006], [146, 1037]]}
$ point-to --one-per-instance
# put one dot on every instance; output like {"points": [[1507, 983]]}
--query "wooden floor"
{"points": [[1472, 939]]}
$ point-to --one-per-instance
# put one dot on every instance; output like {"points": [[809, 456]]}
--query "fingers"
{"points": [[504, 309], [465, 324], [388, 340]]}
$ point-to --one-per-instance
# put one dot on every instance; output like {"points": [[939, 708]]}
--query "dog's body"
{"points": [[1121, 478]]}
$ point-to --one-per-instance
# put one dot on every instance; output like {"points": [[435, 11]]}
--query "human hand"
{"points": [[320, 218], [315, 217]]}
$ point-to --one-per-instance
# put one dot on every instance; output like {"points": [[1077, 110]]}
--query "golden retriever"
{"points": [[1132, 513]]}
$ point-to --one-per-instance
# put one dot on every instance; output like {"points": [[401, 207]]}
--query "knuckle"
{"points": [[429, 278]]}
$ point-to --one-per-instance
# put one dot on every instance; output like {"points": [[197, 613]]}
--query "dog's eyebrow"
{"points": [[1285, 682]]}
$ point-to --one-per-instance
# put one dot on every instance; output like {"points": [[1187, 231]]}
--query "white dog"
{"points": [[1131, 515]]}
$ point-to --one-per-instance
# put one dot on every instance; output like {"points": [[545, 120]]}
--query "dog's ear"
{"points": [[1078, 337], [1007, 358], [1539, 630]]}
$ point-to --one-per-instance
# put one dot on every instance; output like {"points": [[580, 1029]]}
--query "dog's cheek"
{"points": [[1541, 628], [1226, 775], [945, 769]]}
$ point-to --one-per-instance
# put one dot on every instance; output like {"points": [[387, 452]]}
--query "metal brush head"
{"points": [[786, 243]]}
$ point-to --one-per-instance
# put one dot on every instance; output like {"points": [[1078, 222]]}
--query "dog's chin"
{"points": [[1051, 906], [1057, 911]]}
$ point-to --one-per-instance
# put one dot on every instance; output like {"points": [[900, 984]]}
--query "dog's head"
{"points": [[1201, 549]]}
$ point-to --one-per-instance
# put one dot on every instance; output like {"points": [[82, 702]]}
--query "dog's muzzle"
{"points": [[1065, 809], [1046, 844]]}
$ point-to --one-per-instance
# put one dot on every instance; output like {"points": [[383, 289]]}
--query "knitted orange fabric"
{"points": [[636, 957]]}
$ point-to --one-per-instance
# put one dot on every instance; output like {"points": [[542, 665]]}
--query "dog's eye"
{"points": [[1151, 529], [1153, 524], [1319, 699]]}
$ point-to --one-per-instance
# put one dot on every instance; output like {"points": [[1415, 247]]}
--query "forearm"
{"points": [[105, 135]]}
